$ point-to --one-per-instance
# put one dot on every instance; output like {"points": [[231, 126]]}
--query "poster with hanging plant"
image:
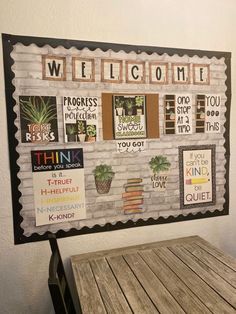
{"points": [[38, 119], [103, 175]]}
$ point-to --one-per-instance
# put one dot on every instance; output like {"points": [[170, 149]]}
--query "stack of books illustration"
{"points": [[133, 196]]}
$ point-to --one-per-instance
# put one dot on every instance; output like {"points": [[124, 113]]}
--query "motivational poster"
{"points": [[183, 113], [129, 116], [212, 117], [80, 118], [197, 175], [38, 119], [58, 183]]}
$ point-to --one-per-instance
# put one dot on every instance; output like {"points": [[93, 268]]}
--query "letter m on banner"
{"points": [[54, 68]]}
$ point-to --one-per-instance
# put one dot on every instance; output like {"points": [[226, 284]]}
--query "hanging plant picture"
{"points": [[103, 175]]}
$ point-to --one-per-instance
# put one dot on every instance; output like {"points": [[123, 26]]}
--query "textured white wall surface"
{"points": [[203, 24]]}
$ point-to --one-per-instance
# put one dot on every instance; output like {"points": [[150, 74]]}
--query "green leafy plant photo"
{"points": [[159, 163], [71, 129], [139, 100], [103, 176], [119, 103], [103, 172], [91, 130], [37, 111], [129, 104], [81, 127]]}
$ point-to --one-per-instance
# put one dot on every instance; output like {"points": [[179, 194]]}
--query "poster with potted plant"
{"points": [[139, 103], [82, 110], [81, 125], [103, 175], [38, 119], [132, 123], [160, 167], [71, 132], [91, 133], [119, 105], [129, 105]]}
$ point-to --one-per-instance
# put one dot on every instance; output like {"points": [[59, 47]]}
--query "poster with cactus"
{"points": [[129, 116], [80, 116], [38, 119]]}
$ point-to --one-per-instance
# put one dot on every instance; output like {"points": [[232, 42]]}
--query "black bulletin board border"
{"points": [[9, 41]]}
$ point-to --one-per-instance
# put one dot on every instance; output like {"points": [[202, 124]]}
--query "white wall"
{"points": [[202, 24]]}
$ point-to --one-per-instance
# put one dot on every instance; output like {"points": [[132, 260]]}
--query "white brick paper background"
{"points": [[102, 209]]}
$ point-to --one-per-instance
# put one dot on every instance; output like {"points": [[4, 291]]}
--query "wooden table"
{"points": [[186, 275]]}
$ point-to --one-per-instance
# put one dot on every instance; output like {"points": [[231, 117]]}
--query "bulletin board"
{"points": [[106, 136]]}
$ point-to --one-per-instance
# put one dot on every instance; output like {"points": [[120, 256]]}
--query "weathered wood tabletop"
{"points": [[186, 275]]}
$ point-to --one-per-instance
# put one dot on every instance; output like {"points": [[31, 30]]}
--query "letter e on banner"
{"points": [[201, 74], [83, 70]]}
